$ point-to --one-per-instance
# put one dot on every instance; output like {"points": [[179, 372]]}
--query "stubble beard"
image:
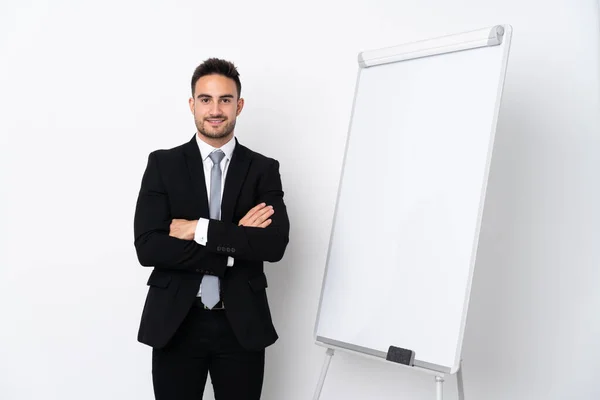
{"points": [[211, 133]]}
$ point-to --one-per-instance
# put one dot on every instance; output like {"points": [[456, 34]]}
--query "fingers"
{"points": [[251, 213], [256, 208], [261, 216], [173, 229], [265, 224], [257, 216]]}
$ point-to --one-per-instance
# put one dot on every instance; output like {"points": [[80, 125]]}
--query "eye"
{"points": [[204, 100], [226, 100]]}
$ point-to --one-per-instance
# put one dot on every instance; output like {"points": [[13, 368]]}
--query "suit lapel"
{"points": [[236, 174], [196, 170]]}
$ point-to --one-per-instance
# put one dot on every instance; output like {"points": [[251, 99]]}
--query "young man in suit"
{"points": [[209, 213]]}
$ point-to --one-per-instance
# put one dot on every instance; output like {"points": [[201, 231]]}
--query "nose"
{"points": [[215, 109]]}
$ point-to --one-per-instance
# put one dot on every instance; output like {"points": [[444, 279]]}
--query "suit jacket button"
{"points": [[228, 250], [233, 250], [218, 248], [197, 270]]}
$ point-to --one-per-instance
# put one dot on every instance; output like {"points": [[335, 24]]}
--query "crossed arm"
{"points": [[163, 242], [257, 217]]}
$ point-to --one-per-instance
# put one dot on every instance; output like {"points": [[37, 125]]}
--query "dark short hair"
{"points": [[219, 67]]}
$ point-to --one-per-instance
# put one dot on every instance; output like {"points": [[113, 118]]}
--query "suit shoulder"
{"points": [[259, 158], [168, 154]]}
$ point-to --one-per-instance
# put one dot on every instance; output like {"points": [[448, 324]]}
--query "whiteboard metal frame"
{"points": [[430, 47], [491, 36]]}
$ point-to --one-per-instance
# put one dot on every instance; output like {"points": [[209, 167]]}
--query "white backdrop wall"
{"points": [[88, 89]]}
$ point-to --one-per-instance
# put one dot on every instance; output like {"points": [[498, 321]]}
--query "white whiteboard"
{"points": [[411, 197]]}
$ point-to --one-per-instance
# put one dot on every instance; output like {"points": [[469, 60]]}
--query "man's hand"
{"points": [[183, 229], [258, 216]]}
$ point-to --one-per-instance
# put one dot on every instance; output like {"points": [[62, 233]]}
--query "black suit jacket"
{"points": [[173, 186]]}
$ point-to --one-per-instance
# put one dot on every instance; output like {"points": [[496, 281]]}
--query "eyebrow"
{"points": [[225, 96]]}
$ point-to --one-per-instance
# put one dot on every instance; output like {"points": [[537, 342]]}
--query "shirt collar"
{"points": [[206, 149]]}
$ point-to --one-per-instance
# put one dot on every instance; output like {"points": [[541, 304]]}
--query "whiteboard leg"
{"points": [[459, 383], [439, 387], [328, 355]]}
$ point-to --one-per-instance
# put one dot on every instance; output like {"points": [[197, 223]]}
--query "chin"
{"points": [[215, 135]]}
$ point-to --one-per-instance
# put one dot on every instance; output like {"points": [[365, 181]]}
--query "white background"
{"points": [[88, 89]]}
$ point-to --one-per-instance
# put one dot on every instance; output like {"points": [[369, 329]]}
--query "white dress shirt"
{"points": [[201, 235]]}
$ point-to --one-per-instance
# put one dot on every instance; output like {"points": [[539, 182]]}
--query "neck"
{"points": [[215, 142]]}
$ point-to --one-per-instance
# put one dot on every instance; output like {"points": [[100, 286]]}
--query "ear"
{"points": [[191, 101], [240, 106]]}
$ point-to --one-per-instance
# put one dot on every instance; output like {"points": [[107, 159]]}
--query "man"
{"points": [[209, 213]]}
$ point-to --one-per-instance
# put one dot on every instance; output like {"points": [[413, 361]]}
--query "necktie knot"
{"points": [[216, 156]]}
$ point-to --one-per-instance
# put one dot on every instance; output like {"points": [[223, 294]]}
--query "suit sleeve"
{"points": [[153, 245], [257, 244]]}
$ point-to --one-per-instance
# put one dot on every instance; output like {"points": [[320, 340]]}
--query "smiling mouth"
{"points": [[215, 121]]}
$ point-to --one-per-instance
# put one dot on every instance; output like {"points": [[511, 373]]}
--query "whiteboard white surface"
{"points": [[409, 206]]}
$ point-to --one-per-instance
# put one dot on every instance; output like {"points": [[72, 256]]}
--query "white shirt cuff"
{"points": [[201, 235], [229, 261]]}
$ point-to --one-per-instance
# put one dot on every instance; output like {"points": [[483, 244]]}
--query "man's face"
{"points": [[215, 106]]}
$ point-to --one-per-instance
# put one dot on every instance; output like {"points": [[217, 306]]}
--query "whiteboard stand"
{"points": [[439, 379], [439, 385], [459, 383], [328, 355], [440, 100]]}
